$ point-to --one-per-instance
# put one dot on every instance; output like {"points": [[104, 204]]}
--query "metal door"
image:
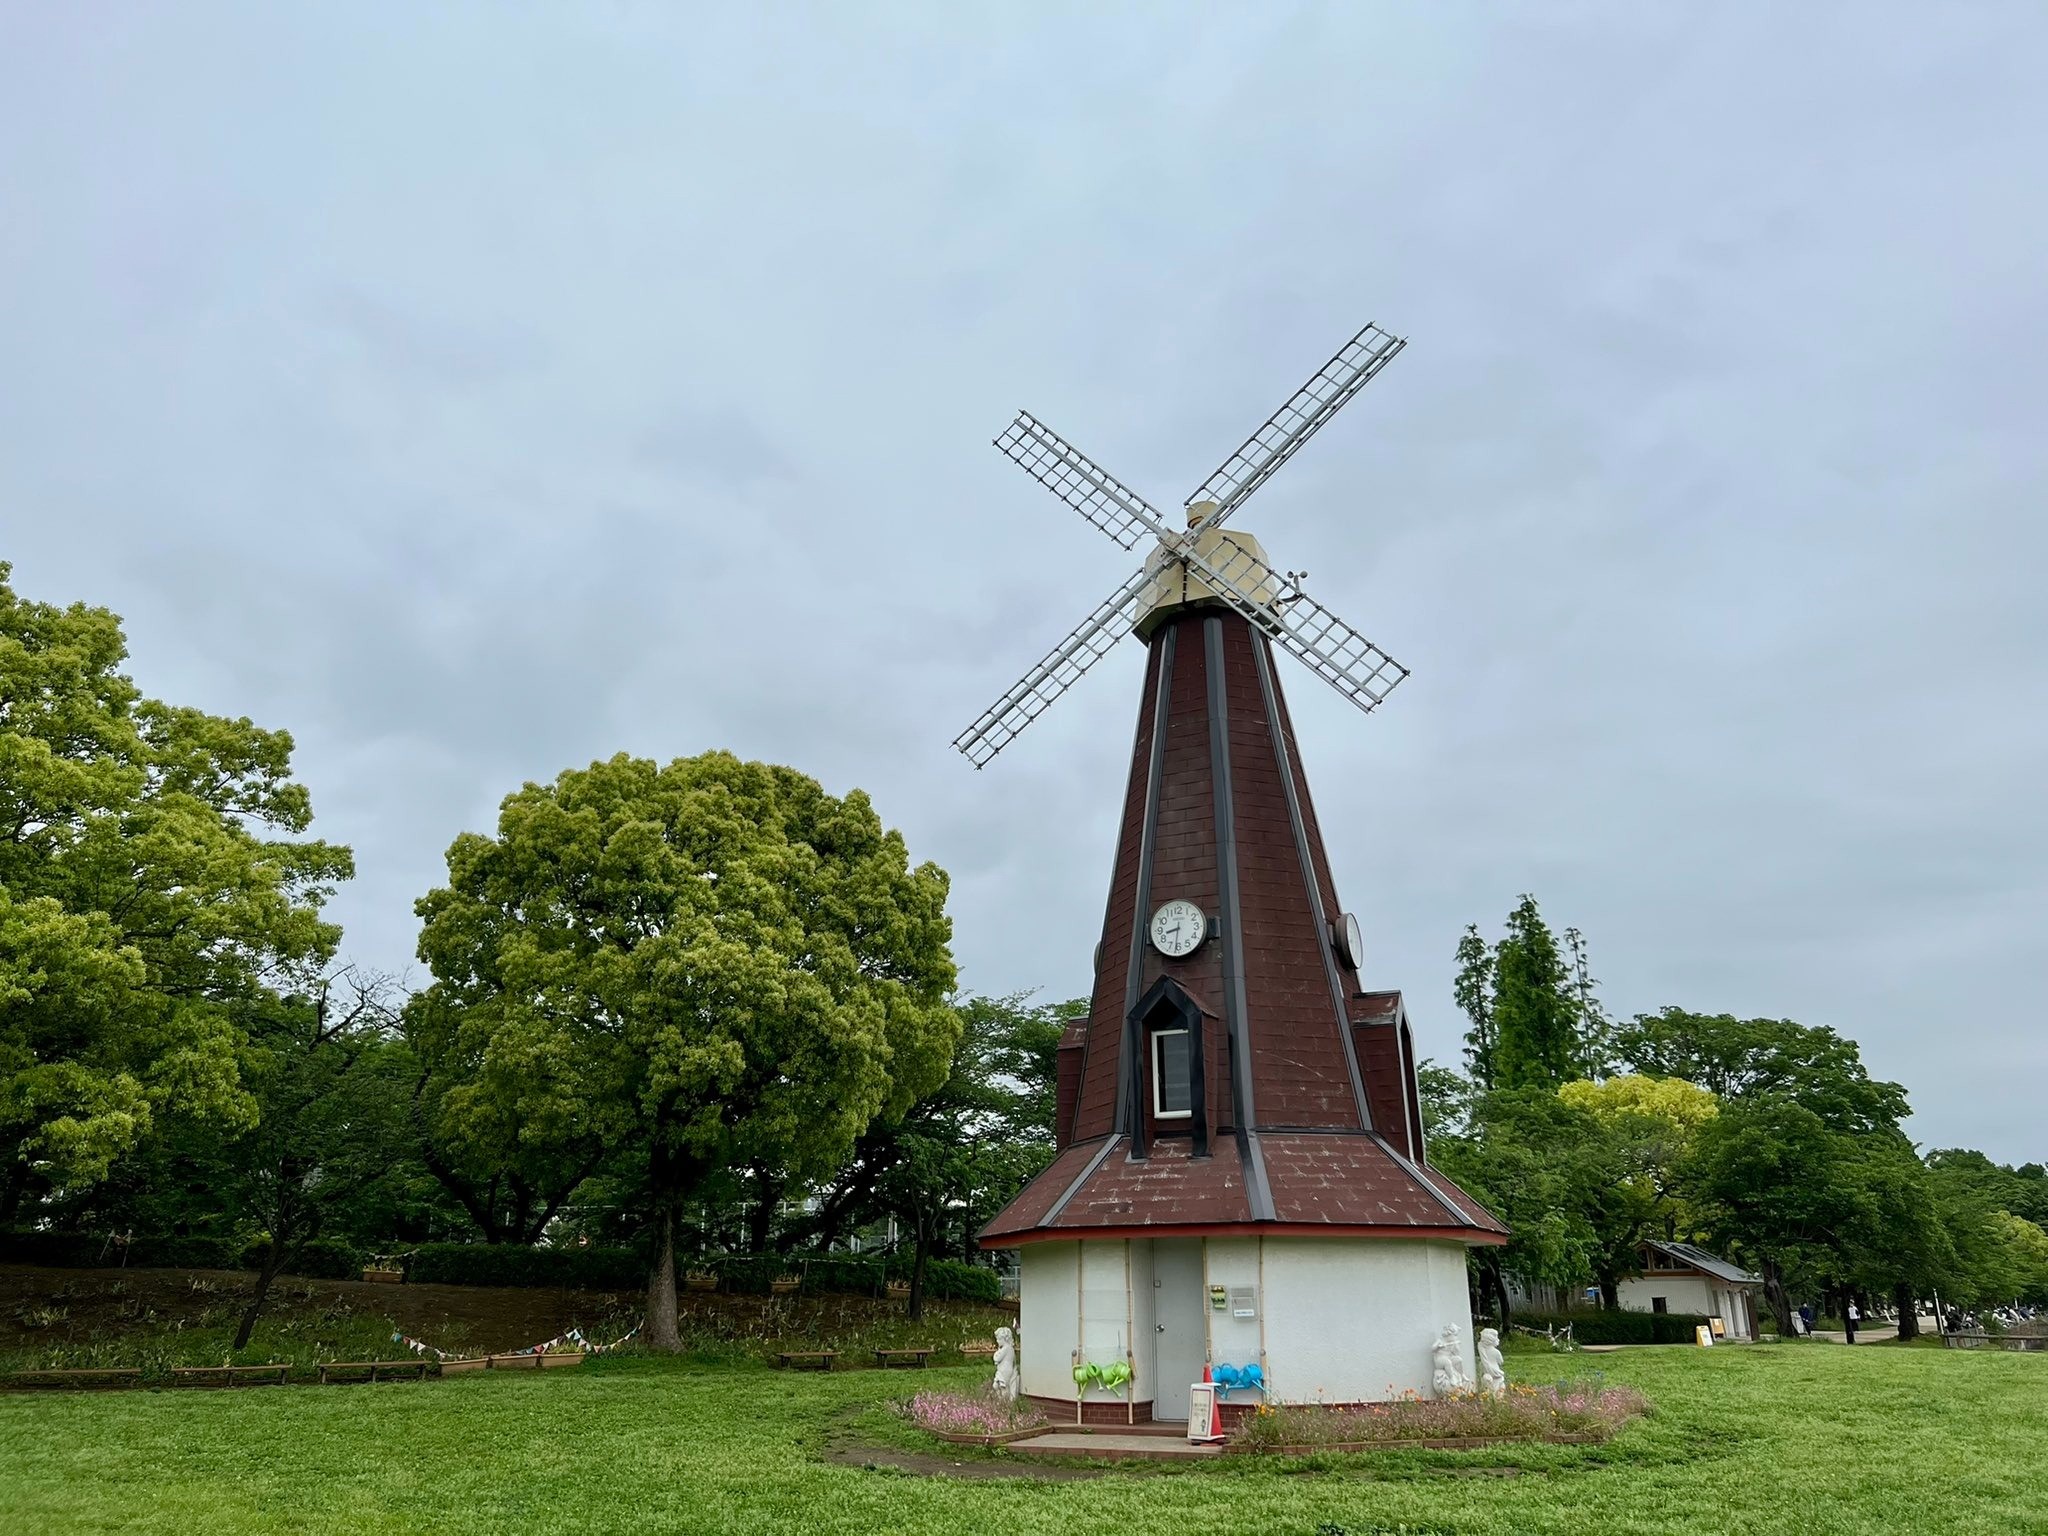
{"points": [[1179, 1334]]}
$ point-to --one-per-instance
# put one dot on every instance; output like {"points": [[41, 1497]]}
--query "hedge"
{"points": [[89, 1250], [596, 1269], [623, 1269], [1619, 1327]]}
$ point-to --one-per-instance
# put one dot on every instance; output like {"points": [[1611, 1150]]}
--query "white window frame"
{"points": [[1158, 1078]]}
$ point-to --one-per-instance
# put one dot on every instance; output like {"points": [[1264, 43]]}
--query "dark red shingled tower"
{"points": [[1250, 1085]]}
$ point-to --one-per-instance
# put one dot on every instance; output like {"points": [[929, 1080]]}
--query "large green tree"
{"points": [[1748, 1058], [707, 964], [155, 887], [1535, 1015]]}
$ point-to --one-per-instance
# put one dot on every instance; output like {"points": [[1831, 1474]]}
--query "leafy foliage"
{"points": [[704, 965], [153, 885], [1535, 1020]]}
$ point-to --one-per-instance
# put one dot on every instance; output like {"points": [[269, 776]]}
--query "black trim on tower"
{"points": [[1130, 1114], [1235, 1009], [1308, 875]]}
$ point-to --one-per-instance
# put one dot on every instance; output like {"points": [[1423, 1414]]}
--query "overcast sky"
{"points": [[481, 392]]}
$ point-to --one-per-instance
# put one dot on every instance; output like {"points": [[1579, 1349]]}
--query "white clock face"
{"points": [[1350, 941], [1178, 928]]}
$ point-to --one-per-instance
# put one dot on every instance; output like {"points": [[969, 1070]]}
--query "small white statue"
{"points": [[1448, 1364], [1006, 1383], [1493, 1376]]}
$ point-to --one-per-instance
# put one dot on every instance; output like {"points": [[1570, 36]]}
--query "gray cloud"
{"points": [[476, 400]]}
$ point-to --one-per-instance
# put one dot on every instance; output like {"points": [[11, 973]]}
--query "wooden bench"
{"points": [[525, 1362], [807, 1359], [229, 1375], [104, 1376], [339, 1372], [888, 1357]]}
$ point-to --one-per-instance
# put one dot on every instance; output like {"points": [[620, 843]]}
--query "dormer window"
{"points": [[1172, 1075]]}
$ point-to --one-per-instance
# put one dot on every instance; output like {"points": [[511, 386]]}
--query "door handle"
{"points": [[1159, 1327]]}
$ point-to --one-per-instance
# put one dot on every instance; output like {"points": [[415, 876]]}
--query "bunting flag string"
{"points": [[575, 1337]]}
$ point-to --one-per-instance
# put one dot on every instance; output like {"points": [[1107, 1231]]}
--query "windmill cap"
{"points": [[1197, 510]]}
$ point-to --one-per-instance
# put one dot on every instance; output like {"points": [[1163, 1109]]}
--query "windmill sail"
{"points": [[1343, 376]]}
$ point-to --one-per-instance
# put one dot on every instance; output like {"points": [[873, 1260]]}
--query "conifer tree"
{"points": [[1536, 1043]]}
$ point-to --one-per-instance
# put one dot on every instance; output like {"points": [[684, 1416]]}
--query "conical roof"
{"points": [[1301, 1114]]}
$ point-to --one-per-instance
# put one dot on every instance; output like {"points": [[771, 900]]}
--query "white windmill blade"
{"points": [[1058, 671], [1296, 422], [1300, 625], [1080, 482]]}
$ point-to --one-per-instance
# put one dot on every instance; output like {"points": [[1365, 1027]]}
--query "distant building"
{"points": [[1683, 1277]]}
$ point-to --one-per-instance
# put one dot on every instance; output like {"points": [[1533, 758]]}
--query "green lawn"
{"points": [[1811, 1438]]}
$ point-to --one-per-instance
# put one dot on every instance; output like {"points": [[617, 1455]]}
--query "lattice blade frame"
{"points": [[1056, 672], [1301, 626], [1080, 482], [1333, 385]]}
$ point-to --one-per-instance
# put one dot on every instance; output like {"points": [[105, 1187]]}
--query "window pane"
{"points": [[1170, 1061]]}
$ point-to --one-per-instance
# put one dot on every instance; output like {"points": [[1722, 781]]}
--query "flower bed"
{"points": [[973, 1418], [1569, 1412]]}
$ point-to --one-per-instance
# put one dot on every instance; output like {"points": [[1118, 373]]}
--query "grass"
{"points": [[1807, 1438]]}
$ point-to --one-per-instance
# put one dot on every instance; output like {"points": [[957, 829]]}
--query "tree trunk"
{"points": [[1908, 1308], [761, 1218], [1774, 1296], [11, 1192], [924, 1248], [273, 1265], [1610, 1293], [661, 1326]]}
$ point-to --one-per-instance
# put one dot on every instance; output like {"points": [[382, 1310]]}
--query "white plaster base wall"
{"points": [[1352, 1321], [1048, 1316], [1340, 1320]]}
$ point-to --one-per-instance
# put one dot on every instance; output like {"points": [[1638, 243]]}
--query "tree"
{"points": [[961, 1153], [1534, 1016], [2000, 1254], [331, 1092], [1473, 989], [145, 905], [1647, 1127], [708, 965], [1594, 1029], [1746, 1058], [1541, 1165], [1447, 1099], [510, 1159]]}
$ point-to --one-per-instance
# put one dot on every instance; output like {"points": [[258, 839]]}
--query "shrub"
{"points": [[322, 1259], [597, 1269], [58, 1250], [1617, 1327]]}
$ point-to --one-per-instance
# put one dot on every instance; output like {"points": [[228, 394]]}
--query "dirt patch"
{"points": [[875, 1457]]}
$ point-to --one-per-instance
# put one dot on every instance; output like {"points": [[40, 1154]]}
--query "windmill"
{"points": [[1240, 1180], [1198, 555]]}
